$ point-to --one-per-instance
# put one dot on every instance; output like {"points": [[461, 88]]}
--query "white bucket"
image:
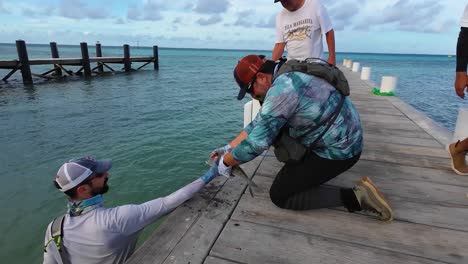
{"points": [[251, 109], [365, 73], [356, 66], [388, 84]]}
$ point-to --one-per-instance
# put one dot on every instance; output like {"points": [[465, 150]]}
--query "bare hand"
{"points": [[461, 83], [331, 60]]}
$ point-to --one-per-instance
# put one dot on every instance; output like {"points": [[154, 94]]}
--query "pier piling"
{"points": [[100, 67], [85, 59], [24, 60], [127, 62], [55, 55], [156, 57]]}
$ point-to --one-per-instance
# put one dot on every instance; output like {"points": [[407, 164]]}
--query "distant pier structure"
{"points": [[100, 63]]}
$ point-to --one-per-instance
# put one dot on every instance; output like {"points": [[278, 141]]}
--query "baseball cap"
{"points": [[277, 1], [245, 71], [75, 171]]}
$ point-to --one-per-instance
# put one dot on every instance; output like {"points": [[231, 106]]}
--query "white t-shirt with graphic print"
{"points": [[302, 30], [464, 19]]}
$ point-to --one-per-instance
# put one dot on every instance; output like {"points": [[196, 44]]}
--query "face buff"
{"points": [[82, 207]]}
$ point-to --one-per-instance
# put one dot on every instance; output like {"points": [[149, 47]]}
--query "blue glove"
{"points": [[211, 173], [223, 169]]}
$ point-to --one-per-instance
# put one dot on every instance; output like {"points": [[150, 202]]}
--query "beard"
{"points": [[99, 190]]}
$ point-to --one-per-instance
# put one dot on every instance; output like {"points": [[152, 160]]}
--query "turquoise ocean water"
{"points": [[157, 126]]}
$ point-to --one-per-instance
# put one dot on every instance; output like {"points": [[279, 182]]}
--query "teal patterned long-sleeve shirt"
{"points": [[300, 102]]}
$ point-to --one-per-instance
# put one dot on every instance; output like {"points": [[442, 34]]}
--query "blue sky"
{"points": [[385, 26]]}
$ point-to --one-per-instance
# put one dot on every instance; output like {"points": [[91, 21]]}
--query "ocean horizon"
{"points": [[158, 127]]}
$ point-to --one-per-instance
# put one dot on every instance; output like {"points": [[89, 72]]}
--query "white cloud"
{"points": [[211, 6], [209, 21]]}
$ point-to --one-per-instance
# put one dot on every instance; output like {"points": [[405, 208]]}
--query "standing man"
{"points": [[299, 29], [461, 78], [459, 149], [92, 233], [313, 116]]}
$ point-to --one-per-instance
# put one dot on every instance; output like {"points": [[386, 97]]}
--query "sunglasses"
{"points": [[251, 84]]}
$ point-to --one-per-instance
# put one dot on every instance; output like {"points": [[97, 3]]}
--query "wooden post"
{"points": [[85, 59], [156, 57], [24, 60], [55, 55], [127, 63], [99, 54]]}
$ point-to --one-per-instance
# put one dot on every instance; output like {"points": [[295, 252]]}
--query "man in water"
{"points": [[459, 149], [299, 29], [94, 234], [294, 103]]}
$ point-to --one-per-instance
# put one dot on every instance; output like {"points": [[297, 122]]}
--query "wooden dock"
{"points": [[403, 155], [23, 63]]}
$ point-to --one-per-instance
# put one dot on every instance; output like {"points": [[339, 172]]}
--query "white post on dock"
{"points": [[250, 111], [365, 73], [388, 84], [461, 129], [356, 66], [344, 62], [350, 63]]}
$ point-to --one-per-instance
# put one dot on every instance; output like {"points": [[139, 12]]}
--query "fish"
{"points": [[238, 171]]}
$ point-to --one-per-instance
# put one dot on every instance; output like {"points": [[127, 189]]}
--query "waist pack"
{"points": [[287, 148]]}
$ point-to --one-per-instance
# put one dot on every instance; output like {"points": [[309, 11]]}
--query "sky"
{"points": [[383, 26]]}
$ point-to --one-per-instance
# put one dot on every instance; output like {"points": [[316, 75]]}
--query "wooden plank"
{"points": [[412, 210], [423, 142], [213, 260], [188, 233], [384, 130], [253, 243], [383, 118], [8, 64], [413, 239], [407, 159], [160, 244], [406, 149], [196, 244], [439, 132], [63, 61]]}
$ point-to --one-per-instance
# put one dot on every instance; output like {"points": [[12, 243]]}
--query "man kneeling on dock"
{"points": [[316, 131], [90, 233]]}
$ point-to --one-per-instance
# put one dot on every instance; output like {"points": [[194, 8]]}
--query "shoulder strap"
{"points": [[56, 232], [314, 67]]}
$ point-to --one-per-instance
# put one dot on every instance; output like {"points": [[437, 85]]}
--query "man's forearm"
{"points": [[242, 135], [330, 36], [462, 50], [278, 50]]}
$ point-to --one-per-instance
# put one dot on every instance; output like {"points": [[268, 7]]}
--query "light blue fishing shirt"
{"points": [[300, 101]]}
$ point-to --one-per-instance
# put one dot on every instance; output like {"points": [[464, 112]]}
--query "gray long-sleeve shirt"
{"points": [[109, 235]]}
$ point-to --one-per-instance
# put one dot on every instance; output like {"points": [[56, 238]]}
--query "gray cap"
{"points": [[76, 171]]}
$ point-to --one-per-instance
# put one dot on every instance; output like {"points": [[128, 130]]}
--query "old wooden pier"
{"points": [[23, 63], [403, 154]]}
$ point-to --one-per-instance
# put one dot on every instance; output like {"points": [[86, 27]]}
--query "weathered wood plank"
{"points": [[196, 244], [406, 149], [9, 64], [407, 159], [384, 130], [253, 243], [423, 142], [434, 243], [407, 207], [213, 260], [161, 243]]}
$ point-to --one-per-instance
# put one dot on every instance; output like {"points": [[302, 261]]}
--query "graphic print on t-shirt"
{"points": [[298, 31]]}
